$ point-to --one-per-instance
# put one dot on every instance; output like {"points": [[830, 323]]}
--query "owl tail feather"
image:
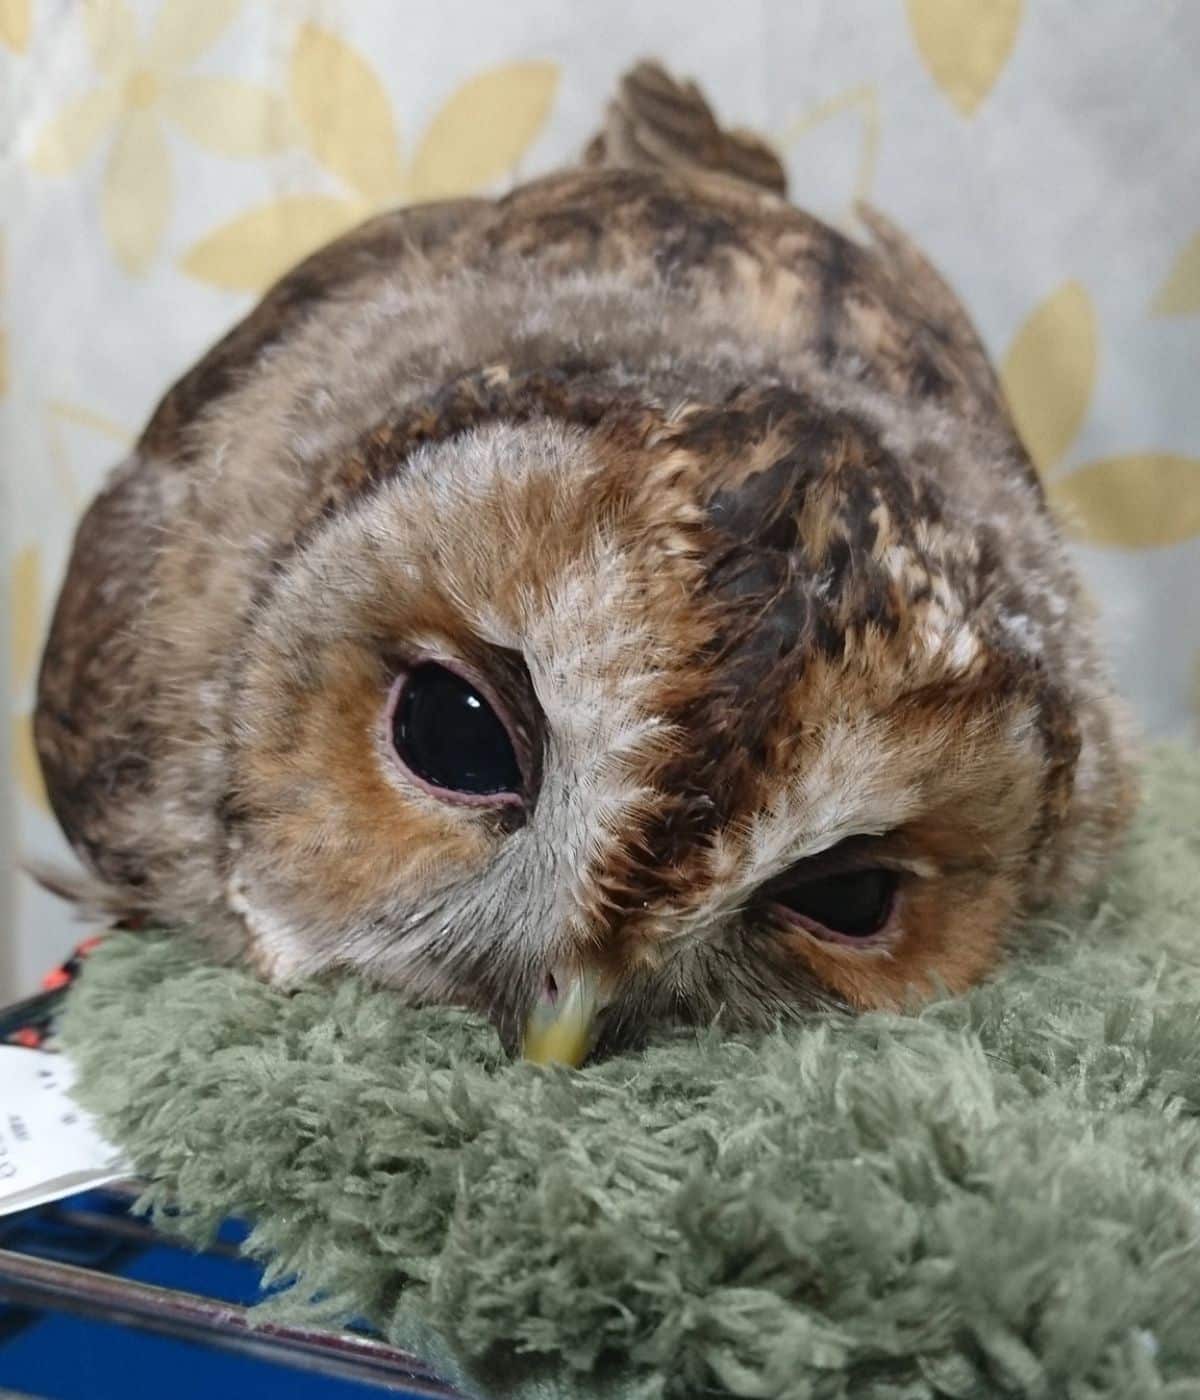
{"points": [[657, 122]]}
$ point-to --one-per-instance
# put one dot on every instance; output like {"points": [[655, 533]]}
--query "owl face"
{"points": [[647, 716]]}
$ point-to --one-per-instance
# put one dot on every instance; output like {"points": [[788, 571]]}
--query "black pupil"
{"points": [[449, 735], [856, 904]]}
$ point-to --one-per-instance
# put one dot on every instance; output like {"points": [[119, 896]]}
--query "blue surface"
{"points": [[61, 1357]]}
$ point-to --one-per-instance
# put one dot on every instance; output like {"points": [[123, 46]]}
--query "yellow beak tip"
{"points": [[559, 1031], [556, 1045]]}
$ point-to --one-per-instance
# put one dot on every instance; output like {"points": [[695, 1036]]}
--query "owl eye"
{"points": [[451, 739], [852, 905]]}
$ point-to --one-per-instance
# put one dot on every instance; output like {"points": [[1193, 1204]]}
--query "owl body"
{"points": [[717, 513]]}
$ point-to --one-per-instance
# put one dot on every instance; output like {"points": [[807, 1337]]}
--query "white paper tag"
{"points": [[49, 1146]]}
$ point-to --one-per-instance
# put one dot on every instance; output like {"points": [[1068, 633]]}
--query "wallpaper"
{"points": [[161, 161]]}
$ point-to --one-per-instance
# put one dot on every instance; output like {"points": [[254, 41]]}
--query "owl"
{"points": [[622, 603]]}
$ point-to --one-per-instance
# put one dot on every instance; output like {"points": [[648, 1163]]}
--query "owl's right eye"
{"points": [[451, 739]]}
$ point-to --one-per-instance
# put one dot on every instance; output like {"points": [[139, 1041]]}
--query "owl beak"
{"points": [[559, 1028]]}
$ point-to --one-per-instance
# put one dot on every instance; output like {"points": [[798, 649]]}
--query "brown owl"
{"points": [[623, 602]]}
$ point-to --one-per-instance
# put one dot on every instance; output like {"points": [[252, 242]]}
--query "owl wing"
{"points": [[99, 726], [927, 294], [95, 689]]}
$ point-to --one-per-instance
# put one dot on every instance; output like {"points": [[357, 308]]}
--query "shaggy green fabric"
{"points": [[998, 1196]]}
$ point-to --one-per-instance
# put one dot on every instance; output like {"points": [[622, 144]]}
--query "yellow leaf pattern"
{"points": [[1136, 502], [1139, 501], [112, 35], [14, 23], [483, 129], [252, 251], [75, 133], [138, 160], [1049, 372], [25, 761], [142, 83], [965, 44], [1179, 295], [229, 117], [26, 613], [346, 120], [345, 114], [184, 30]]}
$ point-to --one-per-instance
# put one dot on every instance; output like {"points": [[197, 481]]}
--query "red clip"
{"points": [[55, 979], [88, 945], [27, 1037]]}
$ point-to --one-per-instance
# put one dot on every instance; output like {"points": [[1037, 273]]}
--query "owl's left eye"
{"points": [[450, 737], [846, 907]]}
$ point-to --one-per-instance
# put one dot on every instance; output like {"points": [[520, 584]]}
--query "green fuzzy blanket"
{"points": [[999, 1196]]}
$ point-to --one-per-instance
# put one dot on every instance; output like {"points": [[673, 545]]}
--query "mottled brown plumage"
{"points": [[724, 511]]}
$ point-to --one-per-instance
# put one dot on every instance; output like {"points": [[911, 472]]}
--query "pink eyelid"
{"points": [[450, 795]]}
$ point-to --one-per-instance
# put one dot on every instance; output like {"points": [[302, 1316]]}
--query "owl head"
{"points": [[593, 715]]}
